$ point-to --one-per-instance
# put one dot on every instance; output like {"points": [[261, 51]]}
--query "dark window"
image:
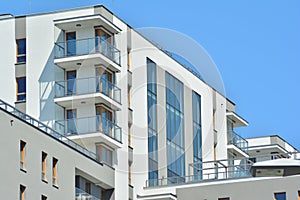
{"points": [[280, 196], [22, 192], [44, 166], [43, 197], [54, 171], [22, 154], [21, 50], [21, 89]]}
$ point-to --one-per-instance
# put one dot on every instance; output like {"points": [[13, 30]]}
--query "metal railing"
{"points": [[82, 195], [87, 46], [87, 86], [219, 170], [238, 141], [42, 127], [89, 125]]}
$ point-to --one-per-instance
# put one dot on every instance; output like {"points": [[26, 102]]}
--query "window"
{"points": [[128, 59], [43, 197], [71, 121], [22, 192], [71, 43], [226, 198], [129, 136], [103, 42], [152, 123], [21, 88], [54, 171], [175, 129], [71, 82], [280, 196], [44, 166], [298, 195], [22, 154], [105, 155], [21, 50], [88, 187], [197, 136]]}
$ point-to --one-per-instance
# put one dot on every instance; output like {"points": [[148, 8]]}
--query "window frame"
{"points": [[17, 89], [22, 155], [102, 147], [54, 171], [22, 192], [17, 51], [44, 167]]}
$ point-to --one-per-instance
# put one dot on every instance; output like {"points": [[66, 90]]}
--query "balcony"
{"points": [[91, 51], [237, 120], [82, 195], [94, 89], [96, 129], [237, 141], [86, 22]]}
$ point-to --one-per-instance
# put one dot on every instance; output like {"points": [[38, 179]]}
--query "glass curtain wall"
{"points": [[175, 129], [152, 123], [197, 135]]}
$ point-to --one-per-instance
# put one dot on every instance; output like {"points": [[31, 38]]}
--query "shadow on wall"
{"points": [[49, 110]]}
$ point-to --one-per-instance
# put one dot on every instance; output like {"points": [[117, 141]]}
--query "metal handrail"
{"points": [[49, 131], [88, 46], [88, 86], [219, 170]]}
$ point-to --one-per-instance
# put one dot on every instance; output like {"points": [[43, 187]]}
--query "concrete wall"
{"points": [[8, 60], [69, 161]]}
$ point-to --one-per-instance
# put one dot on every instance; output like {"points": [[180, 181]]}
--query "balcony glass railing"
{"points": [[81, 86], [238, 141], [85, 47], [89, 125], [51, 132], [82, 195]]}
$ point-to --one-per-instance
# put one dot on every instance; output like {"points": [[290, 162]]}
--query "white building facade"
{"points": [[147, 122]]}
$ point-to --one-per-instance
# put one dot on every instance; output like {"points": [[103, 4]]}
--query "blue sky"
{"points": [[255, 44]]}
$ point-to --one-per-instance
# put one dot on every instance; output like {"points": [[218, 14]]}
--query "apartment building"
{"points": [[95, 106]]}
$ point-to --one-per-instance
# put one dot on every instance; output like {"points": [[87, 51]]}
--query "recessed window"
{"points": [[298, 195], [71, 43], [21, 88], [105, 155], [54, 171], [44, 166], [21, 50], [22, 192], [280, 196], [43, 197], [22, 154]]}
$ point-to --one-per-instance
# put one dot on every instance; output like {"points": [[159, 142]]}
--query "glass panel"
{"points": [[71, 121], [175, 129], [152, 123]]}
